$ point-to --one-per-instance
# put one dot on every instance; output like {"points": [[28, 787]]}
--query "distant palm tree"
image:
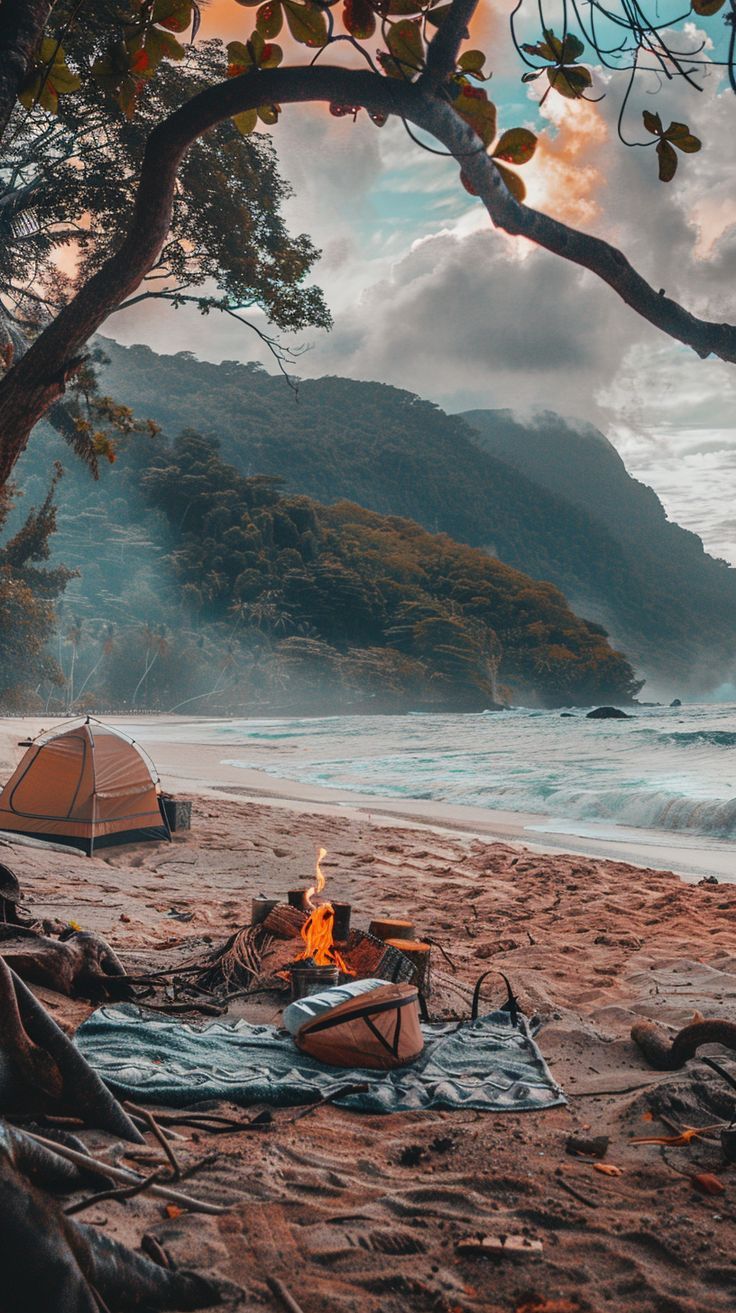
{"points": [[74, 636], [156, 646], [106, 648]]}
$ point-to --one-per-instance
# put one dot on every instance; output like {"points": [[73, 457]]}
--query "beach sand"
{"points": [[361, 1214]]}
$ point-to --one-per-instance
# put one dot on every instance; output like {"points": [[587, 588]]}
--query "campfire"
{"points": [[309, 945], [318, 929]]}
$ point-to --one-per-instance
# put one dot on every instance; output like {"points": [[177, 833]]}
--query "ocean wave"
{"points": [[714, 738]]}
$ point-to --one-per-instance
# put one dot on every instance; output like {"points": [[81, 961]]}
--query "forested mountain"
{"points": [[202, 587], [550, 500]]}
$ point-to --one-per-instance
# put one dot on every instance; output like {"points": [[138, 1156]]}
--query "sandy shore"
{"points": [[206, 768], [363, 1214]]}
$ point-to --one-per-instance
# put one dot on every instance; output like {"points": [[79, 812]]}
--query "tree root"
{"points": [[41, 1070], [78, 964], [50, 1262], [668, 1053]]}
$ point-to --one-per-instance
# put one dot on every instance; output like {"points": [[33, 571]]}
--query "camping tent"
{"points": [[84, 785]]}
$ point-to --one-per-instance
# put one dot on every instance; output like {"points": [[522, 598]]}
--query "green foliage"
{"points": [[563, 72], [551, 500], [27, 593], [70, 183], [356, 581]]}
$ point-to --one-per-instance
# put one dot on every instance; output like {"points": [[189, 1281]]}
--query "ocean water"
{"points": [[669, 769]]}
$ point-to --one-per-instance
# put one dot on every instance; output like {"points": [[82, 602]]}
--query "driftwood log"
{"points": [[390, 928], [48, 1261], [41, 1071], [79, 964], [670, 1053]]}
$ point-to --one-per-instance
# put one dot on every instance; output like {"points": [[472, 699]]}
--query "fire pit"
{"points": [[311, 949], [308, 979]]}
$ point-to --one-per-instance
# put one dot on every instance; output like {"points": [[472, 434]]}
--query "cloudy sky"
{"points": [[425, 295]]}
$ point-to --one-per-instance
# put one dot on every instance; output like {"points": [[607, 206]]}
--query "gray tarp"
{"points": [[489, 1064]]}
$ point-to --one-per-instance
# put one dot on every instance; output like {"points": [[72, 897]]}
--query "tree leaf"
{"points": [[516, 146], [667, 160], [681, 136], [571, 81], [437, 16], [473, 105], [162, 45], [514, 183], [652, 123], [270, 19], [472, 61], [174, 15], [572, 49], [246, 122], [307, 24], [269, 114], [359, 19], [404, 40], [271, 55]]}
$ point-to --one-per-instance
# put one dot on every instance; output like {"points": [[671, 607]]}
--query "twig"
{"points": [[341, 1093], [159, 1135], [624, 1089], [436, 944], [126, 1177], [124, 1192], [576, 1194], [278, 1289]]}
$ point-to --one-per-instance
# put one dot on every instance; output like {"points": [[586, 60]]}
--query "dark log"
{"points": [[41, 1070], [389, 928], [668, 1053]]}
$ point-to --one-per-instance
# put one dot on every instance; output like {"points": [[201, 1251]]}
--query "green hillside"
{"points": [[550, 500], [202, 587]]}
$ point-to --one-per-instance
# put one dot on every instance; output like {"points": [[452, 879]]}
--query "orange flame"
{"points": [[317, 929]]}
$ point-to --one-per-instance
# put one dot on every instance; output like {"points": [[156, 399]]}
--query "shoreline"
{"points": [[203, 770]]}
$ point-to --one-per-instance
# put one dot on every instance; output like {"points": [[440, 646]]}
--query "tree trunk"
{"points": [[22, 23]]}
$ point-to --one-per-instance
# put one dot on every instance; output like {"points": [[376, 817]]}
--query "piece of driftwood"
{"points": [[283, 1293], [670, 1053], [499, 1246], [419, 956], [127, 1177], [49, 1262], [42, 1071], [587, 1146], [80, 964], [391, 928]]}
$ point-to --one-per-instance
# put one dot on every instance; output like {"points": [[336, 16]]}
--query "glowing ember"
{"points": [[316, 932]]}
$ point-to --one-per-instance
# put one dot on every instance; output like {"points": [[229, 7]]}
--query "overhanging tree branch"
{"points": [[39, 378], [443, 49]]}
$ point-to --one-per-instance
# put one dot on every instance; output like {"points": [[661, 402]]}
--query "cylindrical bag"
{"points": [[378, 1029]]}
